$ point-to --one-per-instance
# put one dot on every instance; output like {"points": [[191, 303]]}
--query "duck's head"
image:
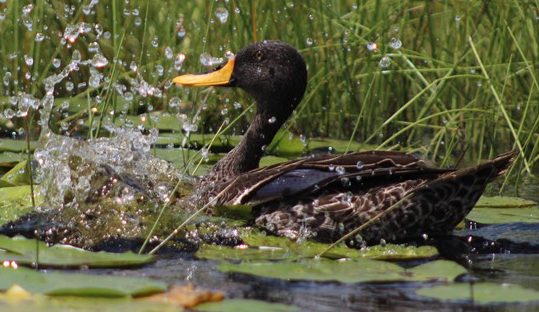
{"points": [[272, 72]]}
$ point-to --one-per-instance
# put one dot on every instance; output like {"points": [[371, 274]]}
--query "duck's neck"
{"points": [[246, 155]]}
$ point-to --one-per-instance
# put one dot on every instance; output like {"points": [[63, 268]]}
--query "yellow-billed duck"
{"points": [[392, 195]]}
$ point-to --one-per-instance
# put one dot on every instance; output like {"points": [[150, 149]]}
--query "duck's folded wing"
{"points": [[349, 171]]}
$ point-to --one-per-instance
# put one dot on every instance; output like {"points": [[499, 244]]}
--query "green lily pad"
{"points": [[215, 252], [5, 184], [352, 271], [18, 175], [34, 303], [11, 157], [247, 305], [76, 284], [441, 269], [310, 249], [9, 145], [504, 202], [482, 293], [16, 202], [504, 215], [23, 251]]}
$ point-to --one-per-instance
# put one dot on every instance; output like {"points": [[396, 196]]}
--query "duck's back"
{"points": [[391, 195]]}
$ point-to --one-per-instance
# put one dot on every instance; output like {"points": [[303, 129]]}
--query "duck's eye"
{"points": [[259, 55]]}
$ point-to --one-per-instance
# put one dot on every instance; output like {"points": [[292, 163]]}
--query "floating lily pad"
{"points": [[16, 202], [441, 269], [76, 284], [23, 251], [504, 215], [352, 271], [482, 293], [247, 305], [504, 202], [214, 252], [9, 145], [18, 175], [27, 302], [8, 158], [274, 246]]}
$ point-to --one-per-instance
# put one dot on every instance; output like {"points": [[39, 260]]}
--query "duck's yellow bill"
{"points": [[216, 78]]}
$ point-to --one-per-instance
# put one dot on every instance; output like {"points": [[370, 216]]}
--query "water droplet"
{"points": [[99, 61], [155, 42], [29, 60], [178, 61], [309, 41], [222, 14], [372, 46], [209, 61], [94, 81], [168, 53], [93, 47], [71, 33], [303, 139], [340, 170], [359, 165], [395, 43], [56, 62], [133, 66], [39, 37], [181, 32], [272, 119], [69, 86], [159, 69], [385, 61], [27, 9], [457, 18]]}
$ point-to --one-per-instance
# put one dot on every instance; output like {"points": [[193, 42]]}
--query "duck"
{"points": [[367, 196]]}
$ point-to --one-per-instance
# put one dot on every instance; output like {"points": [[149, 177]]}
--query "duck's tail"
{"points": [[438, 205]]}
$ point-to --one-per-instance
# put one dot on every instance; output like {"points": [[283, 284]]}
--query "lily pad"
{"points": [[504, 202], [483, 293], [23, 301], [269, 244], [245, 305], [8, 158], [504, 215], [214, 252], [16, 202], [353, 271], [18, 175], [76, 284], [9, 145], [23, 251]]}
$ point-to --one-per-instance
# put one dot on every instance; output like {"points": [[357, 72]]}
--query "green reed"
{"points": [[464, 81]]}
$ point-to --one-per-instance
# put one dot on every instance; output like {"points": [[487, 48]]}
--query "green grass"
{"points": [[465, 80]]}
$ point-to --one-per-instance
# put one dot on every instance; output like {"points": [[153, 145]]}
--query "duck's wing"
{"points": [[354, 171], [395, 211]]}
